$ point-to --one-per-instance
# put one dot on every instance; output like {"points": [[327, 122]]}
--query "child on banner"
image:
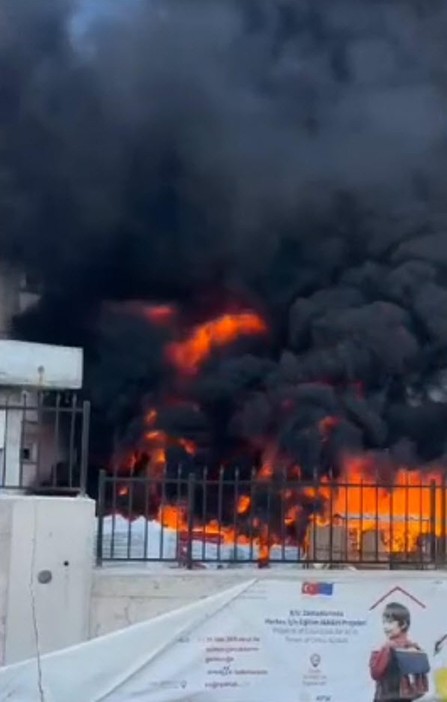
{"points": [[400, 668]]}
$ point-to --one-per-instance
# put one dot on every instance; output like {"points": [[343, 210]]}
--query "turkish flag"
{"points": [[310, 589]]}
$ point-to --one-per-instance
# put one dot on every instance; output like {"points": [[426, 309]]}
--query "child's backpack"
{"points": [[410, 669]]}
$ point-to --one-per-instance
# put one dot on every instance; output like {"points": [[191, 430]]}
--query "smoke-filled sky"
{"points": [[287, 155]]}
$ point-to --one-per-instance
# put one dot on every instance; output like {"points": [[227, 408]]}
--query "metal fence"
{"points": [[44, 442], [215, 520]]}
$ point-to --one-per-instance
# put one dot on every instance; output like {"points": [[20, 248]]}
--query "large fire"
{"points": [[367, 512], [364, 514]]}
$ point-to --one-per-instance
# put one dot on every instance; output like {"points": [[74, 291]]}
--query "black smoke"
{"points": [[287, 156]]}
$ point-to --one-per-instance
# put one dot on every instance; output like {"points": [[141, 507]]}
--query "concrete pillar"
{"points": [[46, 565]]}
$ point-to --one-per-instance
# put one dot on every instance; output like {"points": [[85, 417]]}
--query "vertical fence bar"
{"points": [[300, 538], [190, 503], [331, 518], [22, 439], [313, 522], [376, 524], [236, 491], [161, 542], [282, 513], [85, 438], [360, 536], [113, 520], [443, 517], [5, 445], [39, 437], [100, 517], [406, 516], [421, 523], [204, 511], [391, 532], [178, 514], [71, 441], [345, 555], [252, 510], [130, 485], [220, 509], [268, 532], [55, 457], [433, 535]]}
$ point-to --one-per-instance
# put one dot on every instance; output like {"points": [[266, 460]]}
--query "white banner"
{"points": [[339, 639]]}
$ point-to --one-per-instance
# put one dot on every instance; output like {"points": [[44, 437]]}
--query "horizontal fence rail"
{"points": [[44, 442], [205, 521]]}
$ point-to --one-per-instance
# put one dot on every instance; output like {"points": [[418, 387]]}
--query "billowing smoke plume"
{"points": [[286, 156]]}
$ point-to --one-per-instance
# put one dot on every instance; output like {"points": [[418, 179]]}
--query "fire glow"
{"points": [[367, 507]]}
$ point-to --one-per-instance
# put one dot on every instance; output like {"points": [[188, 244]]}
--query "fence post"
{"points": [[84, 447], [443, 517], [100, 517], [190, 507], [433, 537]]}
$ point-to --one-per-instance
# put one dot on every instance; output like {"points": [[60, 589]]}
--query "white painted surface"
{"points": [[44, 534], [5, 550], [126, 594], [40, 365]]}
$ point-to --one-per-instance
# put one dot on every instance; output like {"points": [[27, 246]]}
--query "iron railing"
{"points": [[44, 442], [218, 520]]}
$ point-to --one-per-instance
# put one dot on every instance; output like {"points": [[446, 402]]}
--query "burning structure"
{"points": [[238, 210]]}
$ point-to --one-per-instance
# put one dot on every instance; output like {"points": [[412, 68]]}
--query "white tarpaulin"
{"points": [[268, 639]]}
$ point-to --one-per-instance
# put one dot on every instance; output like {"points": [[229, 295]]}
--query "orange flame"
{"points": [[398, 510], [157, 441], [153, 450], [244, 504], [189, 354]]}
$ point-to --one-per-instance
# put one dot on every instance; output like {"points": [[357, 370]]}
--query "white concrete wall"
{"points": [[5, 552], [44, 534], [81, 601], [125, 595]]}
